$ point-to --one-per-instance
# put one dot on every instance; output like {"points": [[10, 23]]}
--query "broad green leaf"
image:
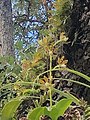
{"points": [[56, 111], [9, 109], [60, 108], [37, 112]]}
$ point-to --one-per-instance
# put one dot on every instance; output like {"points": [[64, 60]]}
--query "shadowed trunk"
{"points": [[6, 29], [78, 50]]}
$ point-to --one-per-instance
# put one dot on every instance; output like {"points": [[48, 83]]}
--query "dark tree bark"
{"points": [[78, 50], [6, 29]]}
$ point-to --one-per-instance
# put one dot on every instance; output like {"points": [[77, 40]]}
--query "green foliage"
{"points": [[33, 71], [26, 86], [68, 95], [19, 45], [27, 15], [57, 110], [9, 109], [87, 113]]}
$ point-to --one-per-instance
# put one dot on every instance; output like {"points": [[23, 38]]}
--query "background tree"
{"points": [[28, 18], [6, 29], [78, 50]]}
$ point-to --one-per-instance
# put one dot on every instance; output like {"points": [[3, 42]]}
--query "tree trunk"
{"points": [[6, 29], [78, 50]]}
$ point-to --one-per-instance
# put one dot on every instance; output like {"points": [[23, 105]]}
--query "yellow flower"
{"points": [[63, 37], [45, 83], [62, 62]]}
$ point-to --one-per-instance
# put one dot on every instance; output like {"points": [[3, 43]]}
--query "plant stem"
{"points": [[74, 81], [50, 98], [67, 95], [50, 79]]}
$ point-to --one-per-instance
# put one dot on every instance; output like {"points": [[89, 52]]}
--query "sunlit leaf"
{"points": [[9, 109], [56, 111], [59, 109]]}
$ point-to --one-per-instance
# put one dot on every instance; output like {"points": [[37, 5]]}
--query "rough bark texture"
{"points": [[6, 30], [78, 50]]}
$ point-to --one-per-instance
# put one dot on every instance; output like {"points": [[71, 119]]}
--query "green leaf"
{"points": [[79, 74], [60, 108], [67, 95], [36, 113], [19, 45], [56, 111], [10, 60], [9, 109], [16, 69]]}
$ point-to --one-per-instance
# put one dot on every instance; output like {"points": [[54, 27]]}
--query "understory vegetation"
{"points": [[31, 83]]}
